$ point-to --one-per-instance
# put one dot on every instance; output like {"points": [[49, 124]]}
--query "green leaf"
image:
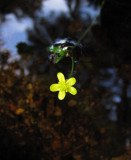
{"points": [[58, 59], [58, 50]]}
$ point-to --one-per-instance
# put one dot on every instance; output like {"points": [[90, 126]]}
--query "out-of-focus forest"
{"points": [[95, 124]]}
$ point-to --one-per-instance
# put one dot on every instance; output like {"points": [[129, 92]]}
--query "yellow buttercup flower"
{"points": [[64, 86]]}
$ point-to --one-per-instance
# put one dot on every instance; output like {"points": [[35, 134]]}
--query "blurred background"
{"points": [[95, 124]]}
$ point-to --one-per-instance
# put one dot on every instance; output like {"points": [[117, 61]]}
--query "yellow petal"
{"points": [[61, 95], [61, 77], [72, 90], [71, 81], [54, 87]]}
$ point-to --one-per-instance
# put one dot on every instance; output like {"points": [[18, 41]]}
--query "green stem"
{"points": [[83, 36], [90, 26], [72, 68]]}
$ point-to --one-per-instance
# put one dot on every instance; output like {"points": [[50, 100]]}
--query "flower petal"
{"points": [[71, 81], [72, 90], [54, 87], [61, 95], [61, 77]]}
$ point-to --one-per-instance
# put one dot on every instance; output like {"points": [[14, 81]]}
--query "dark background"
{"points": [[96, 123]]}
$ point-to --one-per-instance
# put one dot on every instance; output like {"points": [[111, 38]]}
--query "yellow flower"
{"points": [[64, 86]]}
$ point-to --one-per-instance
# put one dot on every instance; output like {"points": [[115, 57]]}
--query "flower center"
{"points": [[63, 87]]}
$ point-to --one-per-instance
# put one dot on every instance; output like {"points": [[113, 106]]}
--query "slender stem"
{"points": [[83, 36], [90, 26], [72, 68]]}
